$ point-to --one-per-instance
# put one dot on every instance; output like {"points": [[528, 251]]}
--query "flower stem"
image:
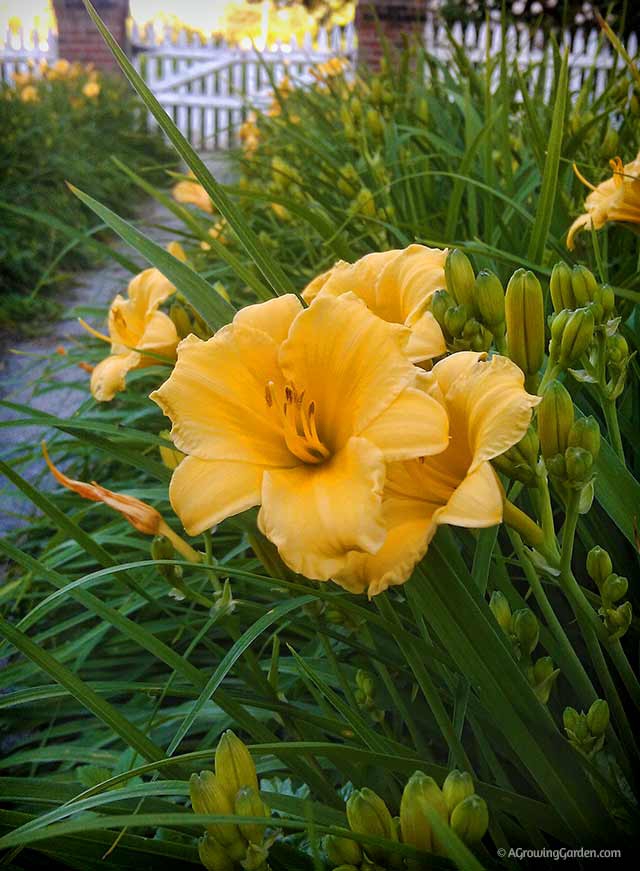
{"points": [[613, 427], [623, 666], [179, 543], [529, 531], [550, 373]]}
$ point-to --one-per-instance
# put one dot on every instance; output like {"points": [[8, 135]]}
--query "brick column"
{"points": [[78, 37], [392, 18]]}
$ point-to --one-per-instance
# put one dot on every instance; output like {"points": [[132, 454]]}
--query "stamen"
{"points": [[299, 425], [95, 333], [582, 178], [268, 394]]}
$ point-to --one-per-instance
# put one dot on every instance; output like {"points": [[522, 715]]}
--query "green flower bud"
{"points": [[368, 814], [585, 433], [455, 318], [342, 851], [555, 419], [526, 630], [598, 717], [599, 565], [617, 349], [249, 804], [422, 110], [570, 718], [542, 677], [208, 797], [579, 464], [609, 147], [421, 791], [213, 856], [520, 461], [460, 277], [614, 588], [457, 786], [364, 203], [441, 302], [617, 620], [577, 336], [234, 766], [557, 467], [375, 123], [558, 323], [488, 296], [607, 300], [524, 310], [470, 819], [161, 548], [365, 682], [583, 284], [560, 286], [181, 320], [501, 610]]}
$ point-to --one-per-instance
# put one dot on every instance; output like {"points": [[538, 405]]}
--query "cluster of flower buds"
{"points": [[365, 695], [520, 463], [569, 447], [612, 588], [584, 330], [456, 803], [352, 119], [381, 96], [523, 630], [286, 179], [471, 311], [233, 789], [586, 731]]}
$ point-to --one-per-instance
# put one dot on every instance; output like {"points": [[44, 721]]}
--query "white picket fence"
{"points": [[207, 88]]}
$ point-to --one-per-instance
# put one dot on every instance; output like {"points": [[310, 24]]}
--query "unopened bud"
{"points": [[181, 320], [598, 717], [441, 302], [520, 461], [524, 310], [249, 804], [599, 565], [488, 296], [455, 319], [460, 277], [555, 419], [470, 819], [420, 792], [585, 433], [570, 719], [457, 786], [375, 123], [342, 851], [617, 621], [577, 336], [617, 349], [614, 588], [584, 285], [501, 610], [368, 814], [526, 630], [560, 286], [542, 677], [579, 465], [213, 855], [234, 766], [208, 797], [607, 300], [422, 110]]}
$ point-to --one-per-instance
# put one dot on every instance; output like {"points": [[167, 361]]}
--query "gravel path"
{"points": [[28, 363]]}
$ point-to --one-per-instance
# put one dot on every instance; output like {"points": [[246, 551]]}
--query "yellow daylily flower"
{"points": [[397, 286], [298, 411], [22, 79], [29, 94], [489, 411], [193, 193], [219, 233], [91, 90], [616, 199], [135, 327]]}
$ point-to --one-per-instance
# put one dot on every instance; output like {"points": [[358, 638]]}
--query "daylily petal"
{"points": [[359, 278], [215, 398], [491, 404], [193, 193], [414, 425], [205, 492], [408, 281], [477, 502], [426, 340], [273, 317], [315, 515], [148, 289], [410, 529], [108, 377], [333, 354], [454, 366], [578, 224], [160, 335]]}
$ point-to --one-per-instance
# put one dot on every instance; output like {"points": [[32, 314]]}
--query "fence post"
{"points": [[79, 38]]}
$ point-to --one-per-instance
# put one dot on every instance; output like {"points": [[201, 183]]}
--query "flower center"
{"points": [[298, 424]]}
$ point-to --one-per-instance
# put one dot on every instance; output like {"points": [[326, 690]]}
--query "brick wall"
{"points": [[392, 18], [78, 37]]}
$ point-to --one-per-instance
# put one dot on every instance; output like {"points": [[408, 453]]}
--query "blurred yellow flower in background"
{"points": [[397, 286], [616, 199], [91, 89], [29, 94], [193, 193], [298, 411], [489, 412], [138, 333], [217, 232]]}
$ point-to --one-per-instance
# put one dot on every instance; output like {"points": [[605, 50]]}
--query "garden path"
{"points": [[28, 364]]}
